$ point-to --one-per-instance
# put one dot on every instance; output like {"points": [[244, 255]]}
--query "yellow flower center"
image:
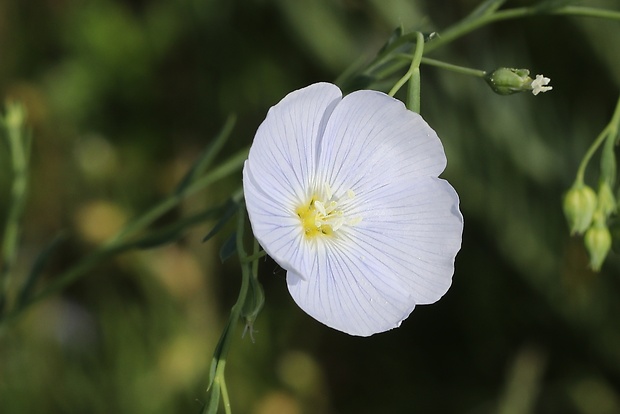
{"points": [[322, 215]]}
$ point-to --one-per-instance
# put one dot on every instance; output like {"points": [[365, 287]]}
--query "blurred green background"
{"points": [[123, 95]]}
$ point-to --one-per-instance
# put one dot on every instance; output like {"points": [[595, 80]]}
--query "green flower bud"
{"points": [[606, 199], [254, 302], [598, 243], [15, 115], [506, 81], [579, 205]]}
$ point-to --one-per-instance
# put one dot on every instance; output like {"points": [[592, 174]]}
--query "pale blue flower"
{"points": [[344, 194]]}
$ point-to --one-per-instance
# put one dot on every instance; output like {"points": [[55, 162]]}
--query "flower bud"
{"points": [[254, 302], [15, 115], [598, 243], [606, 199], [506, 81], [579, 206]]}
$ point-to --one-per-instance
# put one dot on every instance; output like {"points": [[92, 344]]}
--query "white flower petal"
{"points": [[401, 254], [371, 135], [279, 166], [416, 230], [352, 296], [283, 155], [274, 224]]}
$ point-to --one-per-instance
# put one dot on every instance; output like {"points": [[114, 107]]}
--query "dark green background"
{"points": [[123, 96]]}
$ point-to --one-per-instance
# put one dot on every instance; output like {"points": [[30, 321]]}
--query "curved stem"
{"points": [[413, 94], [413, 76], [120, 243], [226, 340], [467, 26], [610, 130], [19, 147], [254, 256], [229, 166]]}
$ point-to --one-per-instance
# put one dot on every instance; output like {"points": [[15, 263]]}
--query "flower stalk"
{"points": [[589, 212], [125, 239], [249, 273], [413, 77], [19, 146]]}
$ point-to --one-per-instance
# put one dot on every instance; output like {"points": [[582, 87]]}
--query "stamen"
{"points": [[325, 215]]}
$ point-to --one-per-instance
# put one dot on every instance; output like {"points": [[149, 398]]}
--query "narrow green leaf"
{"points": [[231, 208], [485, 8], [209, 154], [176, 230], [37, 268], [214, 399], [217, 354], [396, 34], [229, 247]]}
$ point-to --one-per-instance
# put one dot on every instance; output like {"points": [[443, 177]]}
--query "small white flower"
{"points": [[344, 194], [539, 85]]}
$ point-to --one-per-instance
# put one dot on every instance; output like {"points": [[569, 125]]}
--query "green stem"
{"points": [[610, 130], [386, 54], [20, 154], [414, 90], [413, 76], [454, 68], [255, 256], [229, 166], [235, 314], [382, 65], [467, 26], [120, 243]]}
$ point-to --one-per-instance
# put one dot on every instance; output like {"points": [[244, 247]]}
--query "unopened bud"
{"points": [[598, 242], [15, 115], [506, 81], [254, 302], [606, 199], [579, 206]]}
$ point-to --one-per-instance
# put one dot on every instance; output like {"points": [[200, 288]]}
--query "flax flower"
{"points": [[344, 194]]}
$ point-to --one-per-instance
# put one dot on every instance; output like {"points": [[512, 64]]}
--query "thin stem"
{"points": [[255, 256], [235, 314], [119, 242], [385, 55], [467, 26], [229, 166], [413, 95], [20, 155], [610, 130], [454, 68], [413, 76]]}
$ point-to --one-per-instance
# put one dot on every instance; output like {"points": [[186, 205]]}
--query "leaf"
{"points": [[229, 247], [231, 209], [485, 8], [396, 34], [214, 399], [37, 268], [176, 230], [208, 155]]}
